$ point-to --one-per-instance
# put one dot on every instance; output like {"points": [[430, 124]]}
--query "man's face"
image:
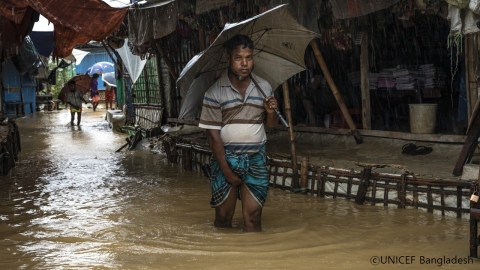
{"points": [[241, 61]]}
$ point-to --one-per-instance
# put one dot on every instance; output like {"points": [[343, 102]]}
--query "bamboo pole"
{"points": [[304, 175], [335, 92], [286, 99], [365, 77], [167, 62], [201, 38], [471, 85], [110, 54]]}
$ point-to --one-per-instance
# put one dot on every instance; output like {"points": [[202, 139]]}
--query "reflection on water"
{"points": [[72, 202]]}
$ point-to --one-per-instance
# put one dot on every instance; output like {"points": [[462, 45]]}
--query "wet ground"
{"points": [[73, 203]]}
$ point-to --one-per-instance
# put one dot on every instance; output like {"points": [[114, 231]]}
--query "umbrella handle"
{"points": [[284, 122], [280, 116]]}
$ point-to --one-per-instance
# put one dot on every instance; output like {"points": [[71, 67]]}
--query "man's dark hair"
{"points": [[238, 40], [95, 75], [71, 82]]}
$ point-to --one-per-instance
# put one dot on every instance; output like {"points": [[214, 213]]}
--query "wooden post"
{"points": [[187, 158], [365, 82], [474, 218], [470, 76], [304, 175], [201, 38], [110, 55], [363, 186], [168, 152], [167, 61], [335, 92], [286, 99], [402, 194]]}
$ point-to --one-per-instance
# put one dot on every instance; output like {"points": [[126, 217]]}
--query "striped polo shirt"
{"points": [[240, 120]]}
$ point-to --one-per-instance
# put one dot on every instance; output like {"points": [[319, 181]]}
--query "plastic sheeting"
{"points": [[44, 42], [15, 23], [207, 5], [147, 24], [76, 22], [133, 63], [27, 60], [462, 22], [305, 12], [79, 55], [343, 9]]}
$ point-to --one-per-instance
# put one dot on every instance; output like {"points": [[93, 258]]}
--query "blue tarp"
{"points": [[44, 42]]}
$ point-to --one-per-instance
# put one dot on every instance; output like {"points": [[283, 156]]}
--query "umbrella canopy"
{"points": [[280, 44], [82, 84], [101, 67], [109, 78]]}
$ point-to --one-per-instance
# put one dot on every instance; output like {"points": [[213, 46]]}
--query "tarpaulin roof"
{"points": [[305, 12], [76, 22], [146, 24], [343, 9], [207, 5], [15, 23]]}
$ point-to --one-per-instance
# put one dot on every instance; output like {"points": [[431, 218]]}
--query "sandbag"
{"points": [[474, 6], [461, 4], [470, 22], [454, 15]]}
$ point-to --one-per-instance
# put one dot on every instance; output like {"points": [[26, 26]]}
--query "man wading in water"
{"points": [[233, 113]]}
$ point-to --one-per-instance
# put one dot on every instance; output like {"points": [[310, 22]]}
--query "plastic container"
{"points": [[423, 118]]}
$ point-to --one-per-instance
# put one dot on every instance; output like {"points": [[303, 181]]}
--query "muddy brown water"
{"points": [[73, 203]]}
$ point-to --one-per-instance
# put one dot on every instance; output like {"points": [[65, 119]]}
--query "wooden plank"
{"points": [[365, 82], [183, 121], [384, 134], [370, 133]]}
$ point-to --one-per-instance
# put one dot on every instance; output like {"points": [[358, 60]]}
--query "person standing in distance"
{"points": [[94, 94], [74, 99], [234, 113]]}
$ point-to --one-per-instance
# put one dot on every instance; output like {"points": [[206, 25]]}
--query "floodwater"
{"points": [[73, 203]]}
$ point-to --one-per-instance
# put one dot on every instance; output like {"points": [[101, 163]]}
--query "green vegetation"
{"points": [[62, 76]]}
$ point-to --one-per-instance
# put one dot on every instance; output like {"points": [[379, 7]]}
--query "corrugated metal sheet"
{"points": [[17, 87]]}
